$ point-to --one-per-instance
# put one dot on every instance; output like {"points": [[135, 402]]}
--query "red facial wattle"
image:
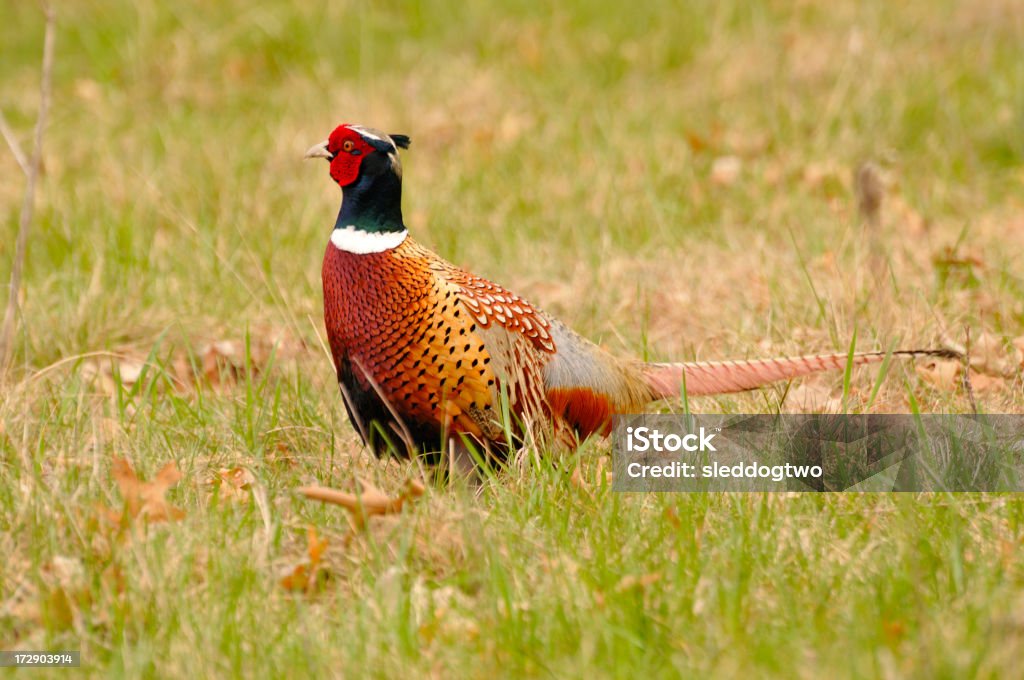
{"points": [[349, 149], [345, 168]]}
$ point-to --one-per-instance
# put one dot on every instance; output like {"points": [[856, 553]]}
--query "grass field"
{"points": [[674, 182]]}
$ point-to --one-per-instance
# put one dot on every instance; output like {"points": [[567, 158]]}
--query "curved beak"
{"points": [[318, 150]]}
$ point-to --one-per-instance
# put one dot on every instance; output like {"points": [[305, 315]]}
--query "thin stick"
{"points": [[967, 372], [12, 142], [45, 88]]}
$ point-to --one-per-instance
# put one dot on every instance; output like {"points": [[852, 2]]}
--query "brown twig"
{"points": [[45, 89], [967, 372], [12, 143], [870, 189], [372, 501]]}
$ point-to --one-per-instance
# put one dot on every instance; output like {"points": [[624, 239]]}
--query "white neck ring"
{"points": [[359, 242]]}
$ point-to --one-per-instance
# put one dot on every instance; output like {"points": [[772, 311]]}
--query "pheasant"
{"points": [[432, 359]]}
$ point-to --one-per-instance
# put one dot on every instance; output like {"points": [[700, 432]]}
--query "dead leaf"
{"points": [[905, 218], [725, 170], [297, 579], [308, 576], [113, 577], [826, 176], [988, 355], [25, 609], [372, 501], [282, 454], [315, 546], [222, 362], [146, 499], [100, 374], [217, 364], [234, 483], [957, 257], [129, 371], [986, 383], [812, 397], [631, 581], [88, 90], [601, 476], [55, 609], [746, 143], [68, 571], [63, 584], [1018, 349], [895, 631], [578, 481], [696, 142], [943, 374], [869, 186]]}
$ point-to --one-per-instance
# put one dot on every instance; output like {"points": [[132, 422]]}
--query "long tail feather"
{"points": [[719, 377]]}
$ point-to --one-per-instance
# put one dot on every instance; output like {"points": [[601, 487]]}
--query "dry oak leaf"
{"points": [[282, 454], [372, 501], [222, 362], [696, 142], [304, 577], [941, 374], [988, 355], [218, 363], [812, 398], [102, 372], [986, 383], [146, 499], [1018, 349], [234, 483]]}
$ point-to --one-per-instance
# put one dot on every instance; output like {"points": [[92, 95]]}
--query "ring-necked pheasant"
{"points": [[435, 359]]}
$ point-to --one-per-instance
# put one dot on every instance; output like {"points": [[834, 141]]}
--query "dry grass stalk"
{"points": [[25, 220]]}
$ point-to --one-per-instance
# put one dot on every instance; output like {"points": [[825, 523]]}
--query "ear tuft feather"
{"points": [[401, 141]]}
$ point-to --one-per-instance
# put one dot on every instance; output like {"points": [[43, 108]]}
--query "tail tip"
{"points": [[942, 353]]}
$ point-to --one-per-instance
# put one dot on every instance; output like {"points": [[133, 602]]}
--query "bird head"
{"points": [[355, 151]]}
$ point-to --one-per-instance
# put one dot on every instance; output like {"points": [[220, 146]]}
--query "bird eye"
{"points": [[348, 145]]}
